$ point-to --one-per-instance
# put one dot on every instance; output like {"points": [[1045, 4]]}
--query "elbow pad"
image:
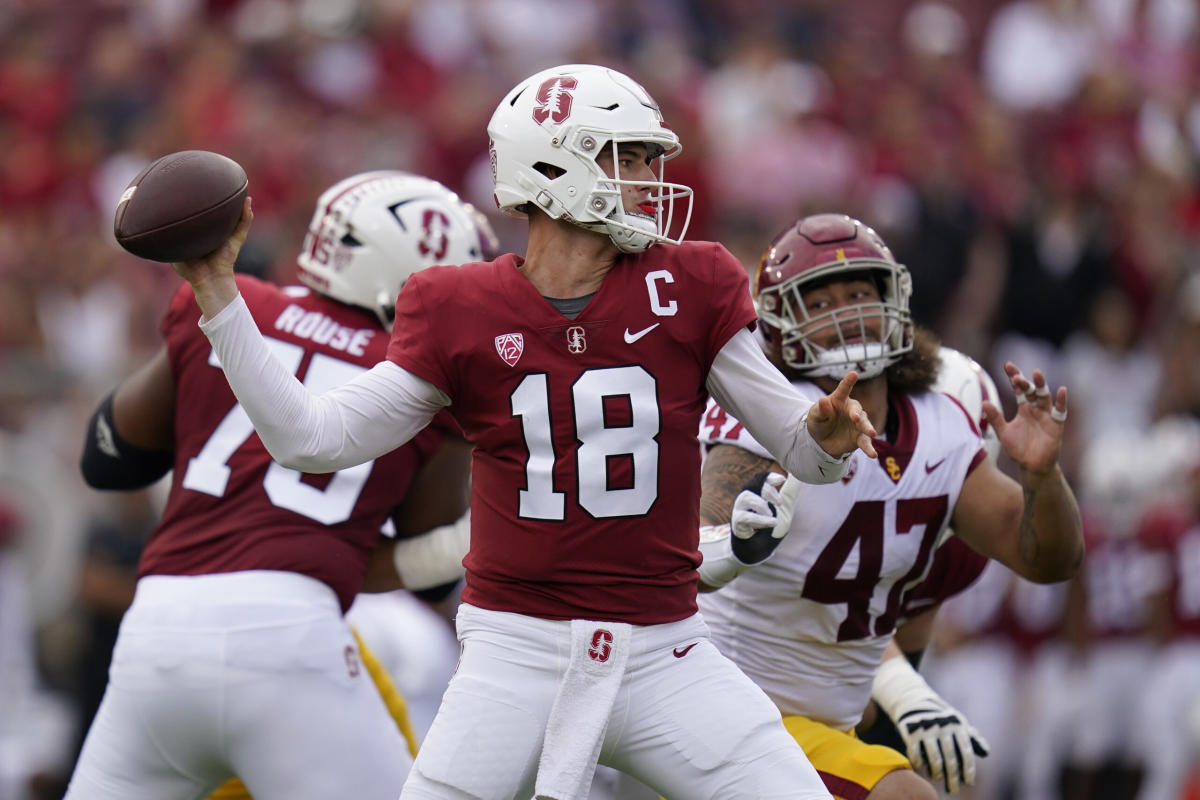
{"points": [[110, 462]]}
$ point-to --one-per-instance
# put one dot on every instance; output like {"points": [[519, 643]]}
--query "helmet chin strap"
{"points": [[868, 359], [632, 234], [632, 241]]}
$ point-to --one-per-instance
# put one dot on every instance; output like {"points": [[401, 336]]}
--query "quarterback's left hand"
{"points": [[762, 515], [1033, 438], [939, 739]]}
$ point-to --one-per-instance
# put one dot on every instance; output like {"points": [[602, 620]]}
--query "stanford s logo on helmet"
{"points": [[817, 250], [554, 100], [545, 136], [370, 232]]}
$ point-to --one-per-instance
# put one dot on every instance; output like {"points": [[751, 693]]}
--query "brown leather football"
{"points": [[181, 207]]}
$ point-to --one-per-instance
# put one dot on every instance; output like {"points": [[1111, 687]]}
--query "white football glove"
{"points": [[434, 557], [940, 741], [761, 517]]}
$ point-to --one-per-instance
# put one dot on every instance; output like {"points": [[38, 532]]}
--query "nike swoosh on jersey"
{"points": [[931, 467], [678, 653], [630, 338]]}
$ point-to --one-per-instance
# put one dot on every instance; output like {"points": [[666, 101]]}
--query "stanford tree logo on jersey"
{"points": [[576, 341]]}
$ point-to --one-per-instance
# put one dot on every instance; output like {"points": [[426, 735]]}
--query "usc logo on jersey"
{"points": [[893, 469]]}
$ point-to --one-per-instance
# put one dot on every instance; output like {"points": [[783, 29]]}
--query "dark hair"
{"points": [[917, 370]]}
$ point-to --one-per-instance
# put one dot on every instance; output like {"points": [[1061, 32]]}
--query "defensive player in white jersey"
{"points": [[812, 624], [235, 658], [579, 372]]}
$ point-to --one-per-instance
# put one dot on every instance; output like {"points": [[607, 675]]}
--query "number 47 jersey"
{"points": [[586, 471], [811, 623]]}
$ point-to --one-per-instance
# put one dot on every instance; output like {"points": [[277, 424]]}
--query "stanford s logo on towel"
{"points": [[510, 346], [601, 647]]}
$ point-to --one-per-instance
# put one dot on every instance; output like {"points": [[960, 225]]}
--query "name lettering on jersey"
{"points": [[601, 647], [576, 340], [660, 309], [893, 469], [510, 346], [321, 329]]}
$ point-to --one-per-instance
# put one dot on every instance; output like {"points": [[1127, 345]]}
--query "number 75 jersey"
{"points": [[231, 507], [810, 624]]}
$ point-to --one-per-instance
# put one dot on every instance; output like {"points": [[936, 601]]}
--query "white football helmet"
{"points": [[961, 377], [370, 232], [545, 136]]}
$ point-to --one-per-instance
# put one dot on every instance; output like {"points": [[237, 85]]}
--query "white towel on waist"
{"points": [[581, 710]]}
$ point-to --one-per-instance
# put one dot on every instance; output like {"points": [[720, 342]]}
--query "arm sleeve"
{"points": [[749, 386], [373, 414]]}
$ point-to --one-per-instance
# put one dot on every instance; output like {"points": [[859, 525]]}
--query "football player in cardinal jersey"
{"points": [[579, 372], [812, 624], [235, 658]]}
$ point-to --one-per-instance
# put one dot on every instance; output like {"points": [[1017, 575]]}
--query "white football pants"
{"points": [[686, 721], [253, 674]]}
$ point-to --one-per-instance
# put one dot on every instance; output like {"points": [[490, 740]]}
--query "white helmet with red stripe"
{"points": [[961, 377], [546, 134], [370, 232]]}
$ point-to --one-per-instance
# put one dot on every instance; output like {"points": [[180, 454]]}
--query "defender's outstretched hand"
{"points": [[1032, 438], [211, 277], [838, 423]]}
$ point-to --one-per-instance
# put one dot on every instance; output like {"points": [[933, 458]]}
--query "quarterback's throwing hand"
{"points": [[1033, 437], [838, 423], [211, 277]]}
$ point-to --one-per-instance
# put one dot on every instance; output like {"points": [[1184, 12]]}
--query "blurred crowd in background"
{"points": [[1035, 164]]}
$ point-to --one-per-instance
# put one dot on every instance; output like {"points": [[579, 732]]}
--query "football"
{"points": [[181, 207]]}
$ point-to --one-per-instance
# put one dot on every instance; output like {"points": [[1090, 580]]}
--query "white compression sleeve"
{"points": [[371, 415], [749, 386]]}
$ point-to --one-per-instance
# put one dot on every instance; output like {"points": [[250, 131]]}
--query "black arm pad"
{"points": [[110, 462]]}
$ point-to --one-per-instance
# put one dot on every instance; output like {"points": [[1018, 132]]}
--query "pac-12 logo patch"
{"points": [[510, 346]]}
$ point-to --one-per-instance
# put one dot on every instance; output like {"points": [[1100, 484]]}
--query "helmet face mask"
{"points": [[866, 336], [547, 134], [370, 232]]}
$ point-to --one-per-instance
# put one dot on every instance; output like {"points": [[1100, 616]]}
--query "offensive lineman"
{"points": [[234, 658]]}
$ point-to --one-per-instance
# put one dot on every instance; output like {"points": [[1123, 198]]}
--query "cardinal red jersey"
{"points": [[1115, 578], [231, 507], [1172, 537], [585, 476], [955, 569]]}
